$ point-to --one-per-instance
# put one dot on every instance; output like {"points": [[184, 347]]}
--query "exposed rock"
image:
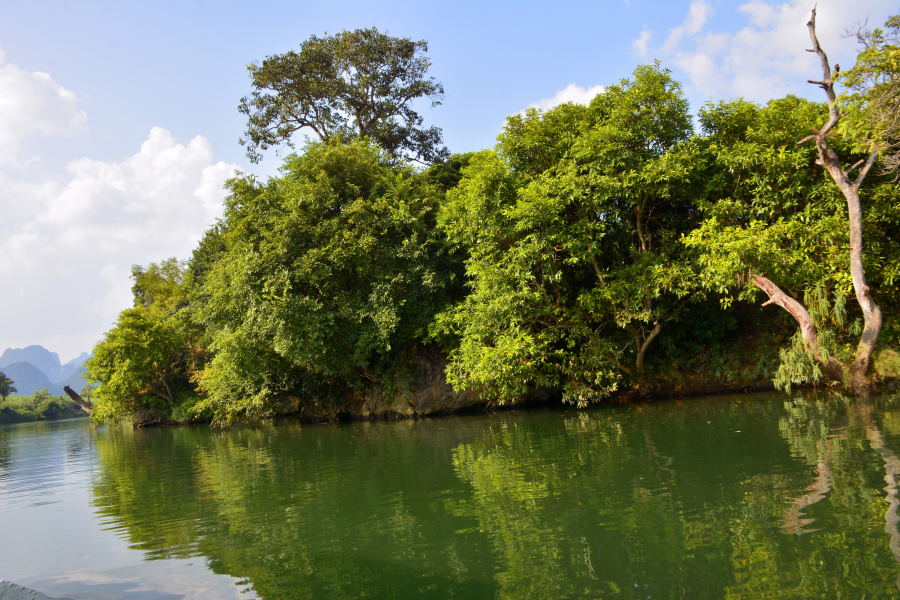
{"points": [[145, 418], [429, 394]]}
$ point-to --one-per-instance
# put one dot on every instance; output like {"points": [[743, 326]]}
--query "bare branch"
{"points": [[85, 406], [856, 164], [806, 139], [865, 170], [827, 82], [832, 368]]}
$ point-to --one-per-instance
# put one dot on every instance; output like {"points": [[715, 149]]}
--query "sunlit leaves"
{"points": [[571, 228]]}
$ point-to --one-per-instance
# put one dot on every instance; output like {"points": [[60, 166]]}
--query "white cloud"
{"points": [[765, 58], [68, 245], [641, 44], [698, 14], [117, 297], [30, 102], [571, 93]]}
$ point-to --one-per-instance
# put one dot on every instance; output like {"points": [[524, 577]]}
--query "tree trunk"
{"points": [[829, 159], [85, 406], [832, 368], [642, 350], [641, 345]]}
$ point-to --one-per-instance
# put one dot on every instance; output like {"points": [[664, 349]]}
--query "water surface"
{"points": [[749, 496]]}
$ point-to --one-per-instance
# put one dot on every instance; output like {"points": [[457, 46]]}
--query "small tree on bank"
{"points": [[6, 386]]}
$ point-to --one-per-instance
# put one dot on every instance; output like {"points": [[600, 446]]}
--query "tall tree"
{"points": [[828, 158], [147, 362], [353, 84], [329, 274], [873, 96]]}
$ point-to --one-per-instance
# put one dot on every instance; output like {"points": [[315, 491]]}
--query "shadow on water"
{"points": [[740, 496]]}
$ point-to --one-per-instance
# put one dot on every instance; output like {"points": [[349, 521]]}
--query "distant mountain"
{"points": [[73, 366], [27, 378], [38, 356], [47, 362]]}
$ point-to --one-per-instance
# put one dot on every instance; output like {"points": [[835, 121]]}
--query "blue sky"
{"points": [[119, 121]]}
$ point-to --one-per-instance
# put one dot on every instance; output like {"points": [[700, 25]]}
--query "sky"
{"points": [[119, 120]]}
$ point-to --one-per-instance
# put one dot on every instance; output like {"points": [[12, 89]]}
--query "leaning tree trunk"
{"points": [[85, 406], [642, 345], [832, 368], [829, 159]]}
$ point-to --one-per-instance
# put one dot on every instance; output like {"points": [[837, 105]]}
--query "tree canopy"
{"points": [[360, 83], [329, 272], [873, 93], [148, 360]]}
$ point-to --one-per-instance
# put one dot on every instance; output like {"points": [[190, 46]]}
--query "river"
{"points": [[750, 496]]}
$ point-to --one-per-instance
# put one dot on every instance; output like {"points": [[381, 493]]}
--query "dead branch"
{"points": [[85, 406]]}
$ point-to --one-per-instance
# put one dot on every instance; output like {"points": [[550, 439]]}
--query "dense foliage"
{"points": [[149, 359], [873, 96], [770, 210], [572, 229], [598, 249], [326, 276]]}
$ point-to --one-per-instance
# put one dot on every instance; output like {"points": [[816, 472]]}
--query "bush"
{"points": [[887, 364], [49, 409]]}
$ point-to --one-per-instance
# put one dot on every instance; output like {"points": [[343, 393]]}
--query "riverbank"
{"points": [[24, 409], [429, 394]]}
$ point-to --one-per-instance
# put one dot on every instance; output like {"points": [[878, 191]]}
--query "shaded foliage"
{"points": [[329, 274]]}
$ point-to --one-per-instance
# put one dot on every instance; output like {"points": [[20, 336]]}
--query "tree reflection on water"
{"points": [[749, 496]]}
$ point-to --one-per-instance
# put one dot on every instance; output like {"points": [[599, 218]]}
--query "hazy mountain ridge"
{"points": [[40, 357], [27, 378], [35, 368]]}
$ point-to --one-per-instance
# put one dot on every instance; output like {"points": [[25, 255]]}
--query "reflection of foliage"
{"points": [[672, 500], [507, 502], [294, 515]]}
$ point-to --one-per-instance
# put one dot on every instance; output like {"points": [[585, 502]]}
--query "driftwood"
{"points": [[85, 405]]}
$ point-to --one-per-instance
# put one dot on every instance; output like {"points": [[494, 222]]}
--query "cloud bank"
{"points": [[571, 93], [67, 244], [30, 101], [765, 58]]}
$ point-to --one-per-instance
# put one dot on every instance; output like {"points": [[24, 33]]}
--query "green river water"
{"points": [[751, 496]]}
